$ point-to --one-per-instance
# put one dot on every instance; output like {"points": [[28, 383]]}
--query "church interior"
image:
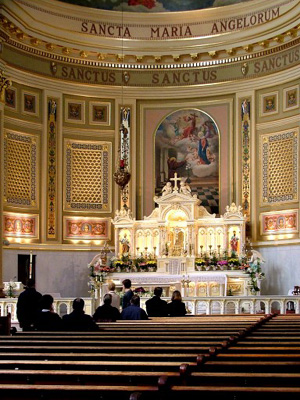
{"points": [[102, 106], [155, 142]]}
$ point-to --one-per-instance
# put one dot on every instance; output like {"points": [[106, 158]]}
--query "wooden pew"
{"points": [[155, 367], [5, 324]]}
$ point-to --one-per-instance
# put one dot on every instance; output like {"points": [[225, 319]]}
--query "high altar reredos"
{"points": [[179, 231]]}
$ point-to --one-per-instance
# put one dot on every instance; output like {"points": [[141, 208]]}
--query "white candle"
{"points": [[30, 265]]}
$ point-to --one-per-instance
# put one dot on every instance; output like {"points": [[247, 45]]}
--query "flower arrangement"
{"points": [[122, 264], [10, 288], [216, 261], [256, 274], [97, 274], [139, 264], [140, 291]]}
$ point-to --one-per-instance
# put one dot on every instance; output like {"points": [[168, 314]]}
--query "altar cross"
{"points": [[175, 179]]}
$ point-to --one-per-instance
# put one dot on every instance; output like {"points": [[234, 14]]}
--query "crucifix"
{"points": [[175, 179]]}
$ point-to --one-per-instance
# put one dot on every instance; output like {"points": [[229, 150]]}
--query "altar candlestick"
{"points": [[30, 265]]}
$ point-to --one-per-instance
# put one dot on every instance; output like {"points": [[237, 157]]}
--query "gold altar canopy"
{"points": [[179, 230]]}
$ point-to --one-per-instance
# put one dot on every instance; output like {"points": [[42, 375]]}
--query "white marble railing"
{"points": [[195, 306], [61, 306], [241, 304]]}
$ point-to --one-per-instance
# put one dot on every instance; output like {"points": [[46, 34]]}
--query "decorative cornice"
{"points": [[83, 56], [84, 61]]}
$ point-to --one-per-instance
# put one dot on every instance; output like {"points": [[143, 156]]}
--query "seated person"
{"points": [[77, 320], [134, 311], [156, 307], [47, 319], [106, 312], [176, 308]]}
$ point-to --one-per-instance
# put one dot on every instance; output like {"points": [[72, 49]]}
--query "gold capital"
{"points": [[4, 84]]}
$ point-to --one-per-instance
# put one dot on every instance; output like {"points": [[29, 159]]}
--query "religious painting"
{"points": [[30, 103], [11, 98], [291, 98], [280, 222], [20, 225], [269, 104], [87, 228], [187, 142], [75, 111], [99, 113]]}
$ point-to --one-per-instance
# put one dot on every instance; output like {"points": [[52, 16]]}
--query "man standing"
{"points": [[28, 306], [156, 307], [128, 293]]}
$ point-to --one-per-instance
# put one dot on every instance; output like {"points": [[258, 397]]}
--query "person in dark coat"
{"points": [[134, 311], [128, 293], [47, 319], [176, 308], [28, 306], [106, 312], [77, 320], [156, 307]]}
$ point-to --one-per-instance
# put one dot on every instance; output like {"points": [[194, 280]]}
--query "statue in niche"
{"points": [[125, 244], [234, 242]]}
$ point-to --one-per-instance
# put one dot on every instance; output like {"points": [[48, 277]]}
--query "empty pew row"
{"points": [[152, 377]]}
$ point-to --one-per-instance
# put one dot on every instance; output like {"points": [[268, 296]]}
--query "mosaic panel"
{"points": [[86, 228], [51, 170], [20, 164], [279, 169], [21, 225], [279, 222], [87, 181]]}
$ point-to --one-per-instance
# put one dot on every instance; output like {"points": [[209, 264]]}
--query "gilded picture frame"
{"points": [[99, 113], [11, 98], [30, 103], [290, 98], [74, 111], [268, 104]]}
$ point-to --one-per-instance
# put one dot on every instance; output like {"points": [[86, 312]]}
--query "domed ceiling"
{"points": [[152, 5]]}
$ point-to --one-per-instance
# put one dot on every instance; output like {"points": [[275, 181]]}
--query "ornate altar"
{"points": [[179, 230], [177, 234]]}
